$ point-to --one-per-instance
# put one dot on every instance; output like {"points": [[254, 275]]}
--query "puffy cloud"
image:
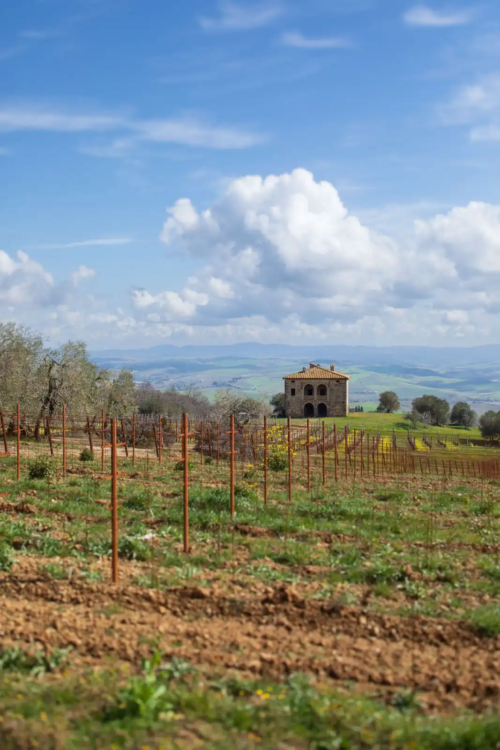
{"points": [[284, 242], [285, 249], [82, 274], [25, 282], [282, 259]]}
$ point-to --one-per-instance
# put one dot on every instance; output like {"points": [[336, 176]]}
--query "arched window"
{"points": [[309, 390], [322, 390]]}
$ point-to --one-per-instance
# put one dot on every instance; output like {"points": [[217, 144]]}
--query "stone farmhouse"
{"points": [[317, 392]]}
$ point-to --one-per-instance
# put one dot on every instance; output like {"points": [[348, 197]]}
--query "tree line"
{"points": [[431, 410], [43, 379]]}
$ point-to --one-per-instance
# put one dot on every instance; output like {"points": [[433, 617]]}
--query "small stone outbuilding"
{"points": [[317, 392]]}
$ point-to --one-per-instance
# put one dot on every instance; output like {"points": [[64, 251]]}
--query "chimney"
{"points": [[332, 368], [312, 365], [303, 369]]}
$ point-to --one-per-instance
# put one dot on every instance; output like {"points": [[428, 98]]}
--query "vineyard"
{"points": [[283, 584]]}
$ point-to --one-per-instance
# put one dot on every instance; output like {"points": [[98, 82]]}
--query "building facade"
{"points": [[317, 392]]}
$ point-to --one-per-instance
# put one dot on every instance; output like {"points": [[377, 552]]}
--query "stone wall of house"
{"points": [[336, 399]]}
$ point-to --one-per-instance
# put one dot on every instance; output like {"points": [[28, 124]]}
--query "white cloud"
{"points": [[487, 133], [422, 15], [473, 102], [29, 117], [296, 39], [24, 282], [282, 258], [238, 17], [183, 131], [168, 306], [476, 105], [99, 242], [82, 274], [285, 248]]}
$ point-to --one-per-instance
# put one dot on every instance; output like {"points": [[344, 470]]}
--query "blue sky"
{"points": [[233, 171]]}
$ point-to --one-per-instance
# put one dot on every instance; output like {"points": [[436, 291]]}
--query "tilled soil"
{"points": [[263, 630]]}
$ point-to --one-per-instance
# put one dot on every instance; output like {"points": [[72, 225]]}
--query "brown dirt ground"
{"points": [[253, 630]]}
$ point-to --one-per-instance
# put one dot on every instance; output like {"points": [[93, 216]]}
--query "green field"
{"points": [[362, 615]]}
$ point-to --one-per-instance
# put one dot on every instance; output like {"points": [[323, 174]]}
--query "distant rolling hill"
{"points": [[469, 373]]}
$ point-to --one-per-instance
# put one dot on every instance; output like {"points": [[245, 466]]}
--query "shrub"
{"points": [[41, 468], [86, 455], [209, 460], [179, 466], [277, 462]]}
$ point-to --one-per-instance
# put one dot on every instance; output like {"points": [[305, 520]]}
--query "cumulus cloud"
{"points": [[281, 258], [82, 274], [24, 281], [283, 243], [283, 252]]}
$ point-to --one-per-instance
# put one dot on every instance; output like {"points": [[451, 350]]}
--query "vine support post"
{"points": [[18, 442], [133, 440], [336, 452], [289, 460], [265, 460], [323, 443], [64, 438], [114, 504]]}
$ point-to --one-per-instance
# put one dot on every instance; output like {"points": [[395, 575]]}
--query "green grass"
{"points": [[167, 701], [397, 548]]}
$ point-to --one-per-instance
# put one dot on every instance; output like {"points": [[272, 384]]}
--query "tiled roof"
{"points": [[317, 373]]}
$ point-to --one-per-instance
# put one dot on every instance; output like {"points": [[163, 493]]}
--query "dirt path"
{"points": [[265, 631]]}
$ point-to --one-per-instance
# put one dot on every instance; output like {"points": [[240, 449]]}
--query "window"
{"points": [[322, 390], [309, 390], [293, 391]]}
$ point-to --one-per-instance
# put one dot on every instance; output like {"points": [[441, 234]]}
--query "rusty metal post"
{"points": [[64, 439], [245, 455], [290, 461], [201, 442], [362, 463], [368, 454], [232, 466], [124, 439], [114, 504], [323, 442], [133, 441], [265, 460], [345, 449], [18, 442], [218, 444], [354, 453], [103, 440], [185, 449], [5, 444], [159, 439], [308, 455], [336, 452]]}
